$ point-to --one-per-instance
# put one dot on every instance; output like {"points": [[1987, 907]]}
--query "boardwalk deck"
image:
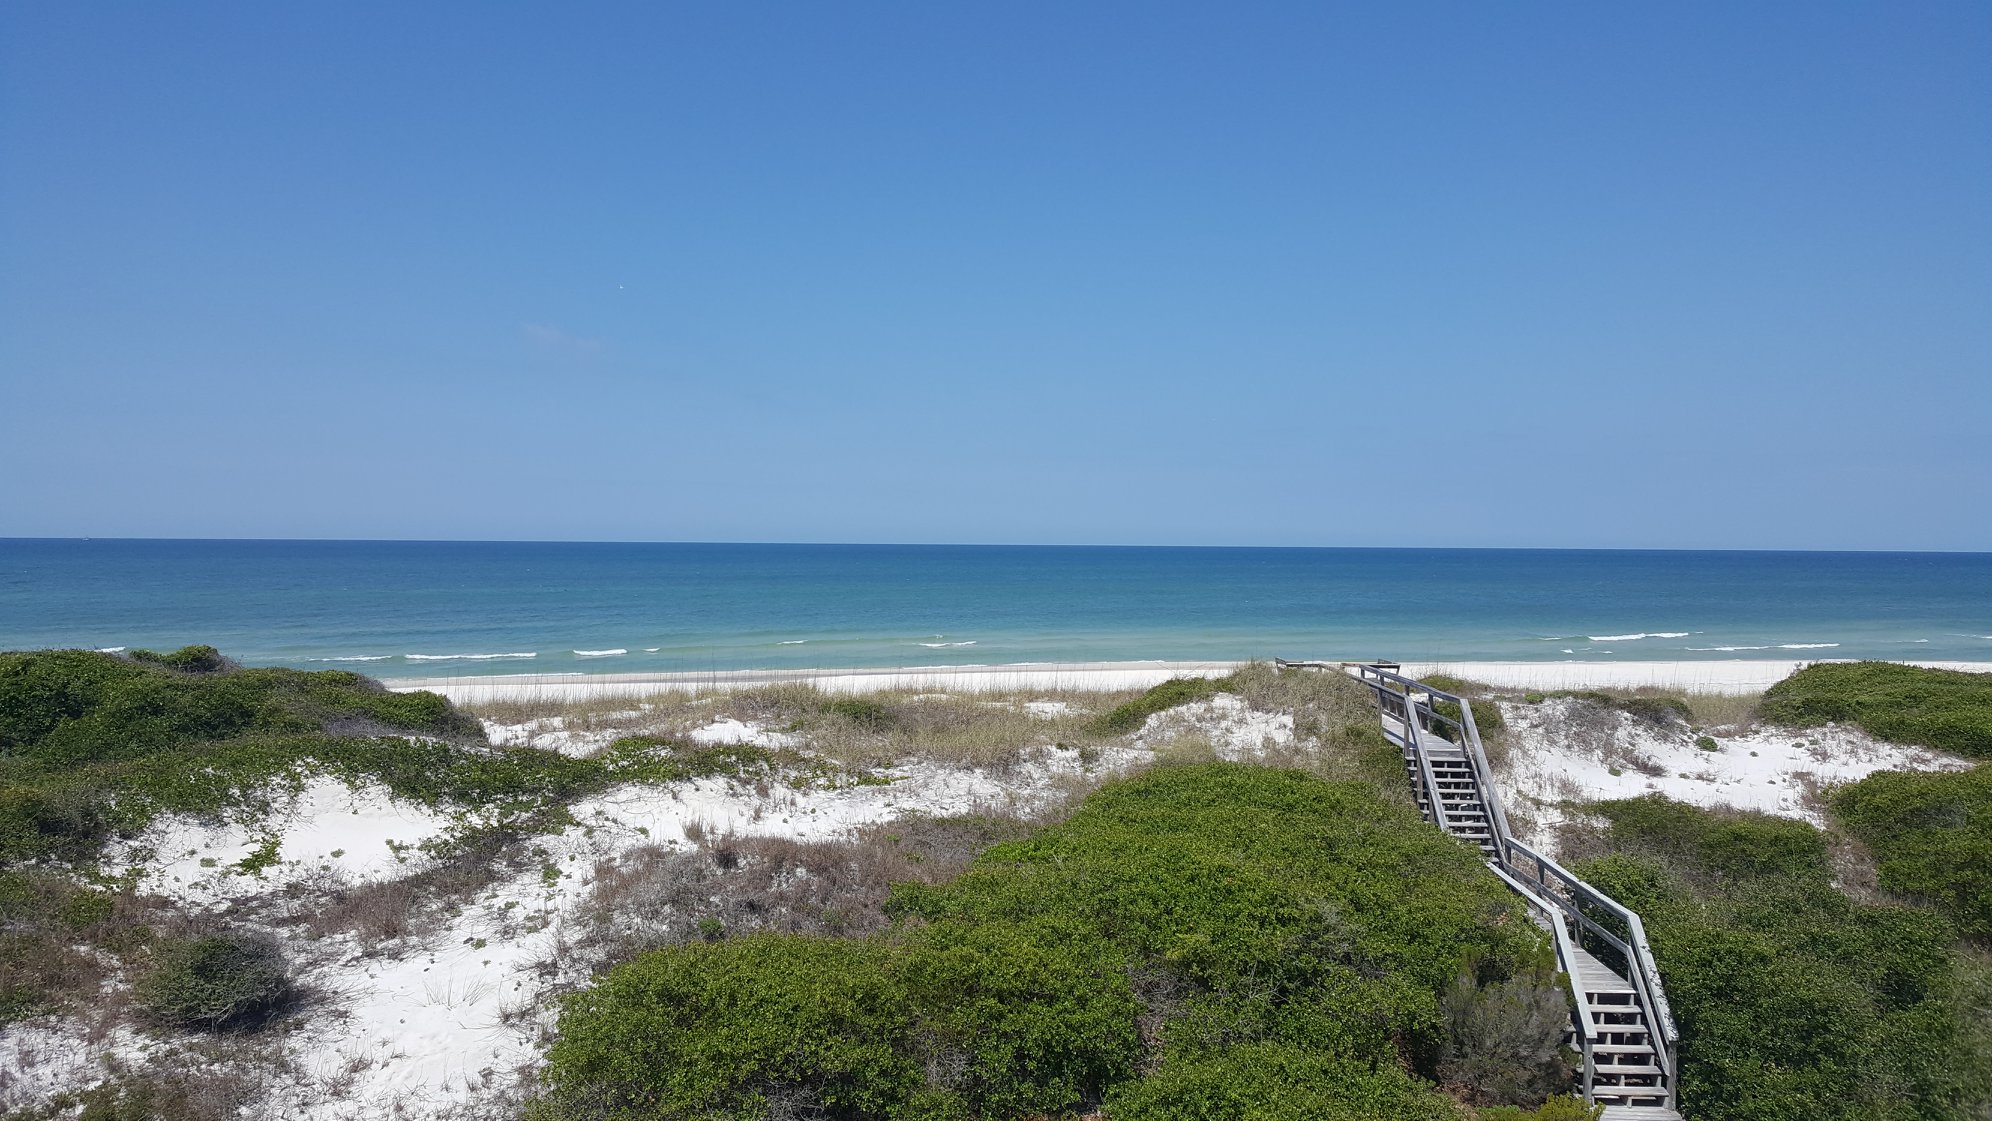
{"points": [[1620, 1021]]}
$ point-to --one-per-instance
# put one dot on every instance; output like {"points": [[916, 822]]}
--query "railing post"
{"points": [[1554, 891]]}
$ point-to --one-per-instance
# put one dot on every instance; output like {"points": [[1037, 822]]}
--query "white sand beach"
{"points": [[1738, 676]]}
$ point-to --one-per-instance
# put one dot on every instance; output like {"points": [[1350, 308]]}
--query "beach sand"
{"points": [[1738, 676]]}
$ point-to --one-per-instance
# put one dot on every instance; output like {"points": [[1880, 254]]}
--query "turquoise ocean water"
{"points": [[401, 609]]}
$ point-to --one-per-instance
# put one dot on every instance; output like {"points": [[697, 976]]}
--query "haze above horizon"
{"points": [[1425, 275]]}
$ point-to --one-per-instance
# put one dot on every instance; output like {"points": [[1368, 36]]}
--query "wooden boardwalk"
{"points": [[1620, 1022]]}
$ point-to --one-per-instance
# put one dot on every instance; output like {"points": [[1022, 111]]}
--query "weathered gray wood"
{"points": [[1622, 1024]]}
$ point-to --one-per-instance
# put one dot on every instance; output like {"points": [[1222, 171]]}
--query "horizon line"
{"points": [[989, 545]]}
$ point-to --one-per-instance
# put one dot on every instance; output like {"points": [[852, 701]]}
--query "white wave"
{"points": [[1637, 637], [1807, 645], [652, 649], [944, 645], [791, 642], [1919, 640], [1726, 649], [357, 658], [110, 649], [1567, 650], [463, 657], [600, 653]]}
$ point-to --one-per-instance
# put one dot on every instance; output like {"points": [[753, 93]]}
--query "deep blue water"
{"points": [[418, 608]]}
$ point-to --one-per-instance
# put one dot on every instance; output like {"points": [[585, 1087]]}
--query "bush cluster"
{"points": [[1944, 709], [1170, 694], [1792, 999], [92, 744], [1931, 835], [1201, 941], [217, 982]]}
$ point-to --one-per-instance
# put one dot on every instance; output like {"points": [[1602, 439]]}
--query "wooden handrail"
{"points": [[1552, 890]]}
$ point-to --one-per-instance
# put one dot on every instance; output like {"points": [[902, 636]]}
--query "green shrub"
{"points": [[861, 711], [1943, 709], [91, 743], [727, 1029], [1487, 716], [1792, 1000], [217, 982], [1458, 686], [1034, 1024], [1659, 711], [1707, 743], [1269, 1081], [1505, 1040], [1259, 906], [1932, 838], [1562, 1108], [1719, 846], [39, 691], [1170, 694], [187, 659]]}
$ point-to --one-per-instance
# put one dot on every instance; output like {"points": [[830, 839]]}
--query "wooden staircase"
{"points": [[1620, 1022]]}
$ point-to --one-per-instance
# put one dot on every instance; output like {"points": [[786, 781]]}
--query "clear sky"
{"points": [[1662, 275]]}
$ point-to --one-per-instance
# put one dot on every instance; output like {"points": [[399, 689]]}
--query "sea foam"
{"points": [[599, 653], [464, 657]]}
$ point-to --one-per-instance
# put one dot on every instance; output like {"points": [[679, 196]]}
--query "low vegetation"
{"points": [[93, 745], [1792, 999], [1657, 708], [217, 982], [1943, 709], [1216, 933], [1170, 694], [1931, 836], [1203, 940]]}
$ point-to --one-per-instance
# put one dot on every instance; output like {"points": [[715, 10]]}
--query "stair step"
{"points": [[1445, 780]]}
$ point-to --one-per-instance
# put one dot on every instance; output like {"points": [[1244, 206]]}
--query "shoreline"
{"points": [[1738, 676]]}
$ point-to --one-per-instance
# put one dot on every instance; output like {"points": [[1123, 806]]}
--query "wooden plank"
{"points": [[1599, 977]]}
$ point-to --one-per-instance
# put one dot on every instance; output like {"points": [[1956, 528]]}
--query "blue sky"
{"points": [[1682, 275]]}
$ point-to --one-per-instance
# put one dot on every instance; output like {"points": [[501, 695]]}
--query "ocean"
{"points": [[411, 609]]}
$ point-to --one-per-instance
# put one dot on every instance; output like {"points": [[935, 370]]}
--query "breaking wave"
{"points": [[463, 657], [599, 653], [945, 645]]}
